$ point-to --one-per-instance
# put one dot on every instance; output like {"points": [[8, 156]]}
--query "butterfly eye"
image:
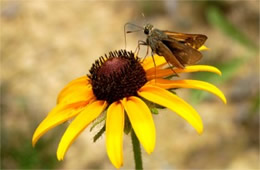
{"points": [[146, 30]]}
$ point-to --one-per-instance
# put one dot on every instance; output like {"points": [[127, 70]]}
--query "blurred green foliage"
{"points": [[24, 155]]}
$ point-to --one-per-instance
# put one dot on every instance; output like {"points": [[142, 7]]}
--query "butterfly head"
{"points": [[148, 28]]}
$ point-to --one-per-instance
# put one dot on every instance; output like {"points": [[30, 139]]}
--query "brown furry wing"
{"points": [[164, 51], [192, 40], [183, 53]]}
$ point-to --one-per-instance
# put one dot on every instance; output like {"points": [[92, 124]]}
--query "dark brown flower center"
{"points": [[116, 76]]}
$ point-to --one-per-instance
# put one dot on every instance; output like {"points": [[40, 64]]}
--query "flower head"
{"points": [[117, 76], [118, 83]]}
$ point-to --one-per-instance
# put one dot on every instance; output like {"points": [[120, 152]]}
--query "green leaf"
{"points": [[99, 134], [128, 125], [97, 122], [154, 111]]}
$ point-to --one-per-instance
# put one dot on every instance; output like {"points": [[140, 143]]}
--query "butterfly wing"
{"points": [[192, 40], [164, 51], [183, 53]]}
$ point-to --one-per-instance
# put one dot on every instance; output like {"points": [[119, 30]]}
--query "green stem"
{"points": [[137, 151]]}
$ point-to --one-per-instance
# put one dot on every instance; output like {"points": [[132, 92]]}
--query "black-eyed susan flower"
{"points": [[118, 84]]}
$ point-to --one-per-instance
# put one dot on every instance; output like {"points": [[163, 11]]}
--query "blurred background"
{"points": [[46, 44]]}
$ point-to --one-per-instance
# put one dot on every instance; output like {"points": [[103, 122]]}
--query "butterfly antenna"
{"points": [[125, 32], [144, 17], [129, 23], [154, 67]]}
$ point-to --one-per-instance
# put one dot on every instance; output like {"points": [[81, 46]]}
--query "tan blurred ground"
{"points": [[45, 44]]}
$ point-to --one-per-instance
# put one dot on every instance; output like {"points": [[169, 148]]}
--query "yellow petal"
{"points": [[203, 48], [142, 121], [196, 68], [82, 93], [114, 133], [148, 63], [90, 113], [72, 89], [173, 102], [58, 115], [194, 84], [150, 74], [81, 81]]}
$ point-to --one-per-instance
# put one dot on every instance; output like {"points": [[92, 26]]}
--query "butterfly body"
{"points": [[178, 49]]}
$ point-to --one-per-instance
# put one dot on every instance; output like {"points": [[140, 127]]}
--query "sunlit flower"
{"points": [[120, 83]]}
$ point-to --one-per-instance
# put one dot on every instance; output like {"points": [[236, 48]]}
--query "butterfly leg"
{"points": [[154, 67], [147, 51], [170, 66], [140, 42]]}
